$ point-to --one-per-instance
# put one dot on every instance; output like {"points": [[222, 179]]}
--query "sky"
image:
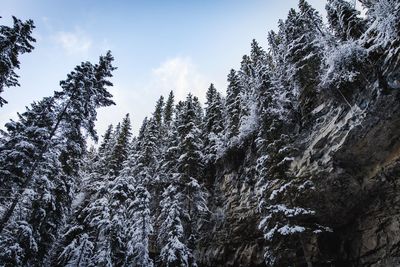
{"points": [[158, 46]]}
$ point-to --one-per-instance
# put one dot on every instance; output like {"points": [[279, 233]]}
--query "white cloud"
{"points": [[180, 75], [76, 42]]}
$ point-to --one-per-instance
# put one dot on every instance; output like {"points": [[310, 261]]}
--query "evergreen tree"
{"points": [[14, 41], [189, 163], [120, 150], [382, 40], [254, 86], [257, 54], [91, 222], [344, 21], [183, 203], [303, 31], [78, 252], [213, 124], [213, 121], [139, 228], [233, 105], [158, 113], [19, 243], [169, 109], [23, 142], [189, 169], [105, 144], [99, 217], [174, 251], [47, 180], [198, 110]]}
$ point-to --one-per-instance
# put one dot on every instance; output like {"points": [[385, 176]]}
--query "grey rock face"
{"points": [[352, 157]]}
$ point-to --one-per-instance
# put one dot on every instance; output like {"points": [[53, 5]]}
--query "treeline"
{"points": [[144, 200]]}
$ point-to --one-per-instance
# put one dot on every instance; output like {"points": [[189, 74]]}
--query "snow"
{"points": [[341, 63], [78, 200], [289, 212], [288, 230], [275, 193]]}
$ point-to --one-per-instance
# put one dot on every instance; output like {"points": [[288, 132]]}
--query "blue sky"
{"points": [[158, 46]]}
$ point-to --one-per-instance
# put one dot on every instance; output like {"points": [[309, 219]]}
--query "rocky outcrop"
{"points": [[231, 238], [352, 155]]}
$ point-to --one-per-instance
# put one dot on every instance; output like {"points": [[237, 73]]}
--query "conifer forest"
{"points": [[297, 163]]}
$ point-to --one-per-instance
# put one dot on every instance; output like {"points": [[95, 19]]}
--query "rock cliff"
{"points": [[351, 153]]}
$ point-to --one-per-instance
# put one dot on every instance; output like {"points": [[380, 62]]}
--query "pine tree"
{"points": [[286, 220], [213, 124], [14, 41], [190, 161], [213, 121], [104, 146], [174, 251], [344, 21], [304, 54], [19, 239], [183, 202], [97, 217], [257, 54], [159, 110], [139, 228], [233, 105], [23, 142], [382, 40], [85, 237], [46, 181], [189, 167], [122, 192], [254, 86], [198, 110], [169, 109], [120, 150], [78, 252]]}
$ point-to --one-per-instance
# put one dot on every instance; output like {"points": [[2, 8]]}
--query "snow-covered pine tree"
{"points": [[46, 183], [159, 110], [22, 141], [169, 109], [190, 169], [213, 125], [19, 243], [302, 32], [232, 105], [120, 150], [262, 64], [382, 39], [285, 224], [344, 20], [78, 252], [246, 75], [98, 219], [345, 62], [122, 190], [198, 110], [139, 226], [189, 163], [130, 200], [98, 216], [174, 250], [184, 200], [14, 41], [105, 144], [254, 81]]}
